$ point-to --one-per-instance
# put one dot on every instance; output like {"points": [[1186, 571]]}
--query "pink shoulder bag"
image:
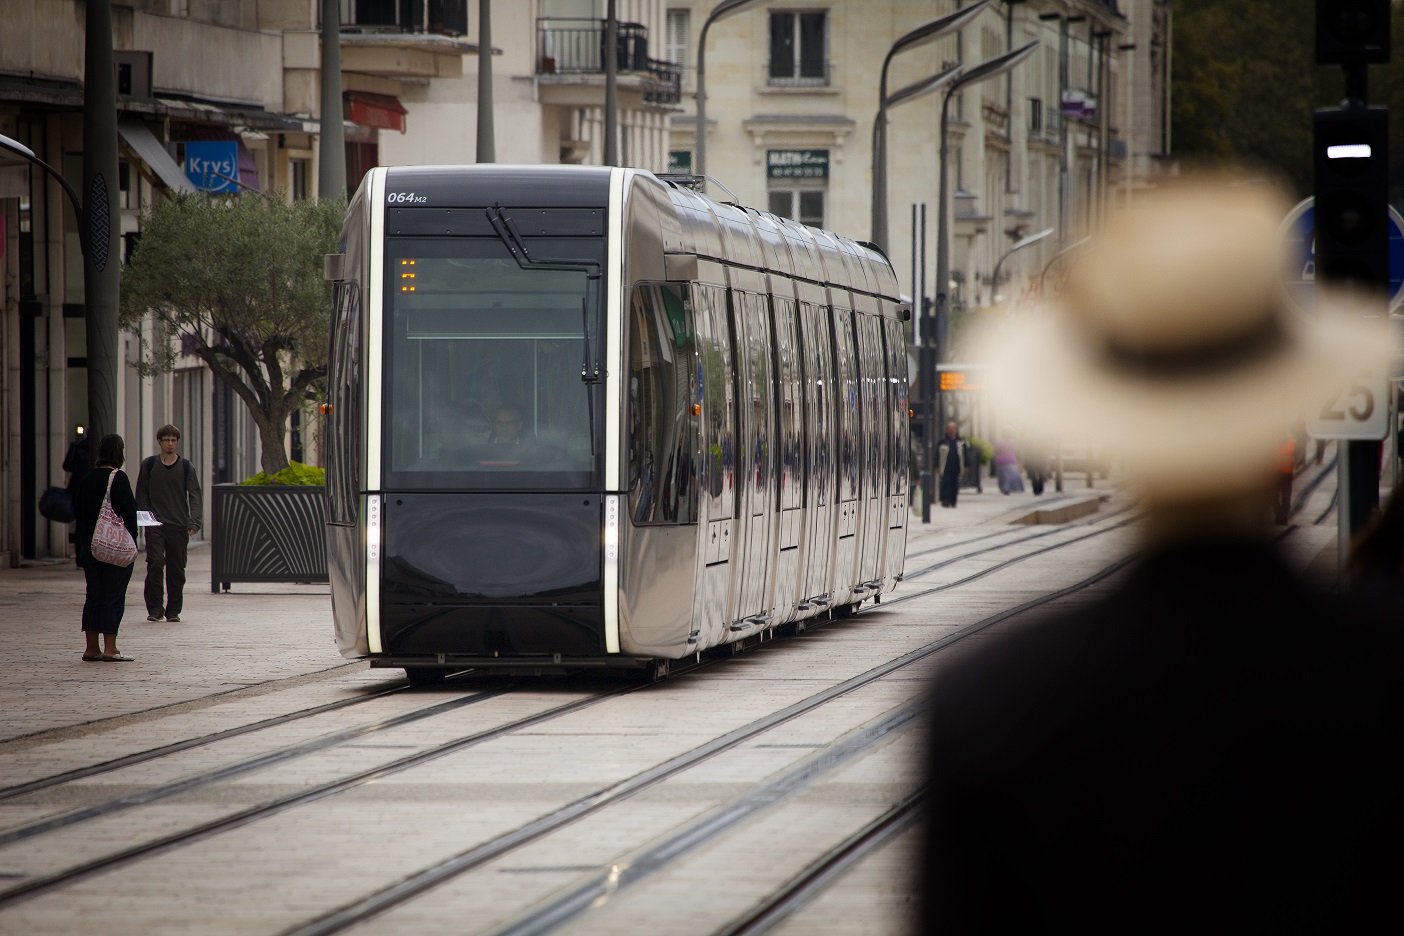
{"points": [[112, 543]]}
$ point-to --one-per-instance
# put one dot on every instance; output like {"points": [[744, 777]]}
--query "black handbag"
{"points": [[56, 504]]}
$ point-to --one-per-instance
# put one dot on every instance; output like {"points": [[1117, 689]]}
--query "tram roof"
{"points": [[479, 186]]}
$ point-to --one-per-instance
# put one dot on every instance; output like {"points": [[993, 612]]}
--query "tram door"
{"points": [[874, 447], [718, 446], [850, 454], [898, 448], [755, 428], [820, 451], [791, 457]]}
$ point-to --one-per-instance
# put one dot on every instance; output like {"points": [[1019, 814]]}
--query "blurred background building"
{"points": [[792, 87]]}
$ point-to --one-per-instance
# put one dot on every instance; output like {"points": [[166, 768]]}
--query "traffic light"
{"points": [[1351, 155], [1352, 32]]}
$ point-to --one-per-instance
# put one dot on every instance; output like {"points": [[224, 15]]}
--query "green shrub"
{"points": [[295, 473], [982, 448]]}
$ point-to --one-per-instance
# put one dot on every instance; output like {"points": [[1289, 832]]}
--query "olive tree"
{"points": [[237, 283]]}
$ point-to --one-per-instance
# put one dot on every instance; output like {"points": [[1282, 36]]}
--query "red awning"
{"points": [[383, 111]]}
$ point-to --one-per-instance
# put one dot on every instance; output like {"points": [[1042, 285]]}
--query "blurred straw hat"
{"points": [[1173, 346]]}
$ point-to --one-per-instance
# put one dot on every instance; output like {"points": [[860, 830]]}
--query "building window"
{"points": [[298, 170], [798, 47], [1035, 115], [803, 205], [679, 38], [680, 161]]}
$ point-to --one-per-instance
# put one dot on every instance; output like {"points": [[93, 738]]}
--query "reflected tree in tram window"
{"points": [[664, 413]]}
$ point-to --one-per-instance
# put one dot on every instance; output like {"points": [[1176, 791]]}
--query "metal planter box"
{"points": [[267, 533]]}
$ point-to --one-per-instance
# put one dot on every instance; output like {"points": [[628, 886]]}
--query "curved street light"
{"points": [[1018, 245], [931, 398], [936, 29], [24, 152], [721, 10]]}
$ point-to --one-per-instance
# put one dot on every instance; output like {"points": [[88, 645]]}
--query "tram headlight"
{"points": [[611, 530]]}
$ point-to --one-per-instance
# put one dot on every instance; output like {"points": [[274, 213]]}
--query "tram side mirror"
{"points": [[904, 309], [334, 267]]}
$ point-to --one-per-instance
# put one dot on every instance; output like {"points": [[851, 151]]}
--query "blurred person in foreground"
{"points": [[1211, 745]]}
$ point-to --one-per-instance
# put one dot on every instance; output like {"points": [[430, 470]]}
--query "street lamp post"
{"points": [[24, 152], [987, 69], [1018, 245], [936, 29], [723, 9]]}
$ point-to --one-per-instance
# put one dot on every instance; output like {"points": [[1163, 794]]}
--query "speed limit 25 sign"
{"points": [[1357, 408]]}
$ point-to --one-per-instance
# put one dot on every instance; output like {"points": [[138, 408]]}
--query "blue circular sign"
{"points": [[1299, 236]]}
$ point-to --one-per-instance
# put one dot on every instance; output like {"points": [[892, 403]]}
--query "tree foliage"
{"points": [[1245, 84], [237, 283]]}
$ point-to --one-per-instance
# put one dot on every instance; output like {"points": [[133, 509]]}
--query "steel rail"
{"points": [[267, 759], [175, 747], [432, 876], [253, 814]]}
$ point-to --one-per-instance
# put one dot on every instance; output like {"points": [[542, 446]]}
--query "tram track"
{"points": [[53, 881], [186, 744], [573, 903]]}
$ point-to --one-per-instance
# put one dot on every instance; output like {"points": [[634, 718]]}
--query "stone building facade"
{"points": [[792, 96]]}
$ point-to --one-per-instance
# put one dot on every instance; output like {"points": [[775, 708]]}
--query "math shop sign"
{"points": [[797, 164]]}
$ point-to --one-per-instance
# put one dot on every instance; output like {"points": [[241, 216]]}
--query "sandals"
{"points": [[92, 659], [108, 658]]}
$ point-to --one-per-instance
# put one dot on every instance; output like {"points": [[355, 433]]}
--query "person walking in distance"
{"points": [[169, 487], [950, 464]]}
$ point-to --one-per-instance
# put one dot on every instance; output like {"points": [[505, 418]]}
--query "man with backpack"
{"points": [[169, 487]]}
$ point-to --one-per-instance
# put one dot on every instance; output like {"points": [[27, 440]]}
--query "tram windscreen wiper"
{"points": [[512, 240]]}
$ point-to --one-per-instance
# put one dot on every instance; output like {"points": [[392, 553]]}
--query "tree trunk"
{"points": [[271, 435]]}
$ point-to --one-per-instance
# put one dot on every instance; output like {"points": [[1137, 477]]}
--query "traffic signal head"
{"points": [[1351, 156], [1352, 32]]}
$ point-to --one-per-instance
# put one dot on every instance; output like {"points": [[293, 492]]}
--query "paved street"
{"points": [[436, 785]]}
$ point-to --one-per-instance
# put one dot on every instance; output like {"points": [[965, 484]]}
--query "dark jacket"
{"points": [[87, 504], [1213, 746]]}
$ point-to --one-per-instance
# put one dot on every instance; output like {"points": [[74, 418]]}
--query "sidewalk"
{"points": [[227, 642], [261, 634]]}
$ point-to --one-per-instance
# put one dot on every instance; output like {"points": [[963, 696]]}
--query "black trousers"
{"points": [[950, 488], [106, 599], [166, 548]]}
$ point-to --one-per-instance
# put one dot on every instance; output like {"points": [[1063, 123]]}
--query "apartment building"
{"points": [[792, 92], [240, 78]]}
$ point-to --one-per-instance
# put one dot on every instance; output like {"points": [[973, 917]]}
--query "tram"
{"points": [[589, 417]]}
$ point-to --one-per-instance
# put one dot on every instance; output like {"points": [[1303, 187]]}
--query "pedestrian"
{"points": [[106, 597], [77, 461], [1212, 743], [1006, 460], [169, 487], [950, 464]]}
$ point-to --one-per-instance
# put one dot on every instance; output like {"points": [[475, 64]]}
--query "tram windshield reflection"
{"points": [[483, 371]]}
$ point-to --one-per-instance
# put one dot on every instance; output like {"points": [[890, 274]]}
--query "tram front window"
{"points": [[484, 386]]}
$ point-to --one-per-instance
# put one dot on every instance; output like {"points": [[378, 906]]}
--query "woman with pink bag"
{"points": [[107, 580]]}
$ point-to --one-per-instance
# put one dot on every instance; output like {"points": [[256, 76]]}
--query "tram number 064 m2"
{"points": [[1353, 410]]}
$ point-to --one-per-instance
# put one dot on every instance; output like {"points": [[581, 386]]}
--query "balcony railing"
{"points": [[577, 47], [439, 17]]}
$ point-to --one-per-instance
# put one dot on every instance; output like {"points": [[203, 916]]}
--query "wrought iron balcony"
{"points": [[567, 46]]}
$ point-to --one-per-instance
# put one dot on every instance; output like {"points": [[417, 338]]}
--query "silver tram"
{"points": [[712, 411]]}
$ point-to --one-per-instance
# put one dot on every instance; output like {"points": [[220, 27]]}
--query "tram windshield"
{"points": [[484, 389]]}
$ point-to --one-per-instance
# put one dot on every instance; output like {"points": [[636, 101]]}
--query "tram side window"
{"points": [[344, 396], [662, 415]]}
